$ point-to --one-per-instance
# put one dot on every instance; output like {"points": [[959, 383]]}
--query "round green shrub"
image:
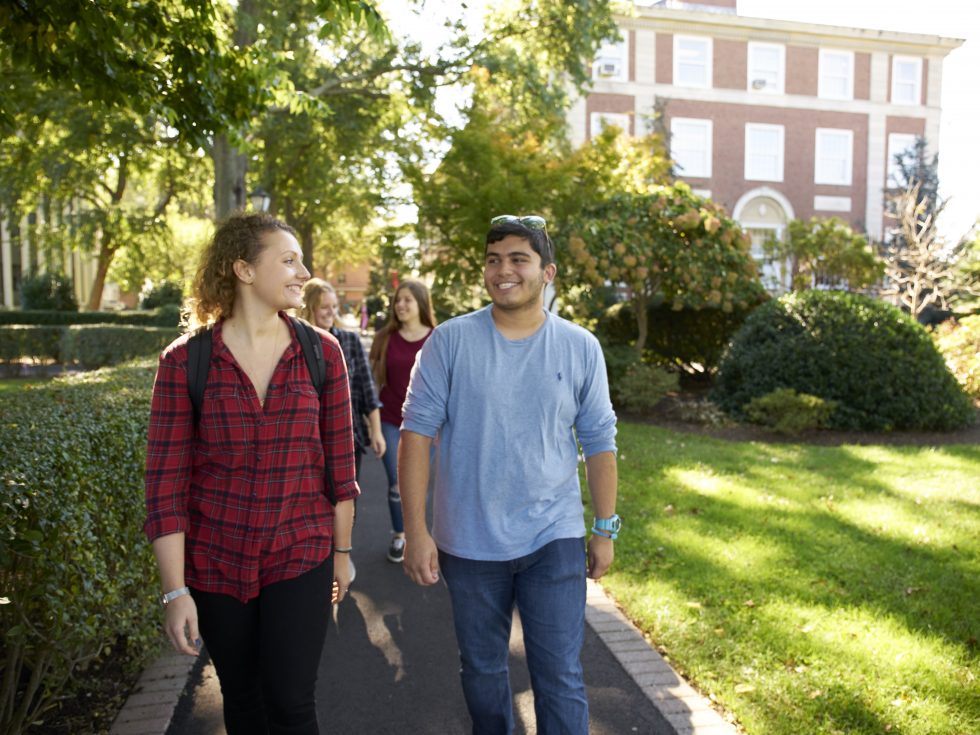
{"points": [[49, 290], [960, 344], [876, 363], [163, 293]]}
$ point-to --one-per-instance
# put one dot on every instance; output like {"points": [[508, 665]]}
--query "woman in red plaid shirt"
{"points": [[237, 507]]}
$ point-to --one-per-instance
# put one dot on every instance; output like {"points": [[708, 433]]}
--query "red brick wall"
{"points": [[801, 70], [609, 103], [665, 58], [728, 184], [862, 76], [730, 63]]}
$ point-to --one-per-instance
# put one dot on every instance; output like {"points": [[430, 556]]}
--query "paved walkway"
{"points": [[390, 663]]}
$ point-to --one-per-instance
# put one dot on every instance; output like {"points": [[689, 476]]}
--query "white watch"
{"points": [[167, 597]]}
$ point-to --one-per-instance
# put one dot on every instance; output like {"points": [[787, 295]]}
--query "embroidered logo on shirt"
{"points": [[559, 377]]}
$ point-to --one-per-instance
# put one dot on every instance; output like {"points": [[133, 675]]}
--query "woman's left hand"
{"points": [[378, 445]]}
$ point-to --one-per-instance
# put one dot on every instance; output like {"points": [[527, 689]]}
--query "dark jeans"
{"points": [[548, 588], [267, 651]]}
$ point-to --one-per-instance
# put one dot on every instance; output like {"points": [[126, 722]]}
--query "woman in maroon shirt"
{"points": [[392, 358], [237, 507]]}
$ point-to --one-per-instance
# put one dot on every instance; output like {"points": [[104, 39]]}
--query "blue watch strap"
{"points": [[612, 524]]}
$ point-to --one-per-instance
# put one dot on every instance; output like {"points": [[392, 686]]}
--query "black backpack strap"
{"points": [[309, 341], [198, 364]]}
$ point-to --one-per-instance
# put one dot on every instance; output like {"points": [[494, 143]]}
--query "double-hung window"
{"points": [[906, 80], [898, 143], [692, 61], [690, 147], [764, 152], [767, 65], [611, 62], [834, 156], [836, 74]]}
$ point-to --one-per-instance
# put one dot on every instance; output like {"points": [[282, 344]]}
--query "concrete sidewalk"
{"points": [[390, 663]]}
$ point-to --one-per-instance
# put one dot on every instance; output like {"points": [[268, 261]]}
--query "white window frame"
{"points": [[754, 174], [753, 72], [599, 120], [821, 175], [707, 80], [915, 95], [707, 129], [617, 52], [824, 88], [897, 143]]}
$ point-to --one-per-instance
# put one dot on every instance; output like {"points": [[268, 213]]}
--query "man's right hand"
{"points": [[421, 559]]}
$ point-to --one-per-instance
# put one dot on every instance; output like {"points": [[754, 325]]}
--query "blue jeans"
{"points": [[392, 434], [548, 587]]}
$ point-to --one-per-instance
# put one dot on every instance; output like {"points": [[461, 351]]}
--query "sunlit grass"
{"points": [[808, 589], [12, 385]]}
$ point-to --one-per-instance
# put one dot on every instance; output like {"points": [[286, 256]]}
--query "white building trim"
{"points": [[762, 191]]}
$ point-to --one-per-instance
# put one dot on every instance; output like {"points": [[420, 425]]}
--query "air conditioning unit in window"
{"points": [[608, 68], [758, 84]]}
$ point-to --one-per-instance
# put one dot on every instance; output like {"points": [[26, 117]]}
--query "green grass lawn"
{"points": [[808, 589], [9, 385]]}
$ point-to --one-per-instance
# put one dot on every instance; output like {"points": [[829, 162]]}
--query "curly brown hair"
{"points": [[237, 238], [379, 346]]}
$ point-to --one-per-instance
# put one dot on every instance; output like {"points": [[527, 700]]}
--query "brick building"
{"points": [[772, 119]]}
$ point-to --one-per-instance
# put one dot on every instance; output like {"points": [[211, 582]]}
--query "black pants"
{"points": [[266, 652]]}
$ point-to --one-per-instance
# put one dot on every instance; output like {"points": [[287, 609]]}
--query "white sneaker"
{"points": [[353, 571], [396, 551]]}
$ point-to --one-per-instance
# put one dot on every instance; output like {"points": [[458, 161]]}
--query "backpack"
{"points": [[199, 363]]}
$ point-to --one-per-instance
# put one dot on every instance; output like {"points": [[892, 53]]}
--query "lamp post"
{"points": [[260, 199]]}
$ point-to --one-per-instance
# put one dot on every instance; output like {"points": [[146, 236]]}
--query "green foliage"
{"points": [[165, 316], [96, 345], [643, 386], [74, 564], [163, 293], [48, 290], [789, 412], [668, 245], [875, 362], [34, 343], [827, 249], [960, 344], [692, 339]]}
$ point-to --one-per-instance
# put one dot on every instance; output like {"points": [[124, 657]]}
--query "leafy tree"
{"points": [[826, 248], [668, 245], [920, 268], [916, 165]]}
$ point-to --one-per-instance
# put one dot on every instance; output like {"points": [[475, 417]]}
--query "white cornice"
{"points": [[740, 27]]}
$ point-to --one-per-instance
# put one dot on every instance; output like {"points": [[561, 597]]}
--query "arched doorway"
{"points": [[764, 214]]}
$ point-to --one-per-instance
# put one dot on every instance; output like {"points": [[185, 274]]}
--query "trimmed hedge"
{"points": [[679, 337], [165, 316], [75, 566], [879, 366], [88, 345], [98, 345]]}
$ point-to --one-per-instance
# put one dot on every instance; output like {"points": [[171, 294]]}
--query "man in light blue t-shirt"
{"points": [[511, 391]]}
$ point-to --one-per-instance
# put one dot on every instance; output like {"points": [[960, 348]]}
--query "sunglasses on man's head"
{"points": [[531, 221]]}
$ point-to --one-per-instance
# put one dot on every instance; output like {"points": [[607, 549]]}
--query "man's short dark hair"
{"points": [[539, 240]]}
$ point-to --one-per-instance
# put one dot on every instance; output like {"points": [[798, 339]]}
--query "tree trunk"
{"points": [[229, 177], [230, 163], [640, 305], [106, 251], [305, 230]]}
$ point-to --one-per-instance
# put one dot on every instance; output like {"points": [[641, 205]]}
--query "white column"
{"points": [[879, 77], [576, 121], [646, 55], [26, 265], [877, 162], [6, 253]]}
